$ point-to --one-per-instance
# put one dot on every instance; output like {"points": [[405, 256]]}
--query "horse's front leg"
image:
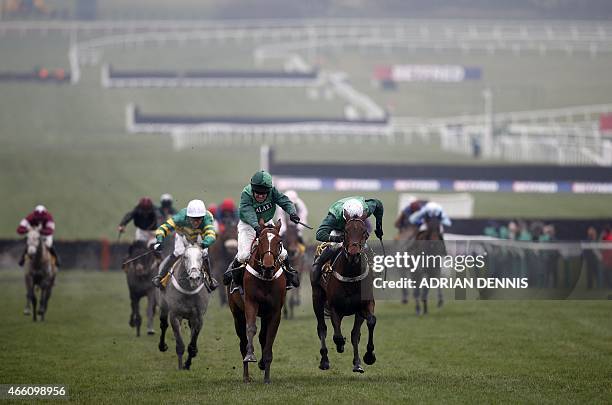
{"points": [[180, 345], [271, 330], [163, 325], [31, 296], [339, 340], [318, 305], [192, 349], [370, 357], [355, 338], [250, 311]]}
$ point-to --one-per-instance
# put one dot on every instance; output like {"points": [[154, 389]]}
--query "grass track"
{"points": [[467, 352]]}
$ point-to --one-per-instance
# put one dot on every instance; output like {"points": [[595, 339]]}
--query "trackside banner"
{"points": [[428, 73]]}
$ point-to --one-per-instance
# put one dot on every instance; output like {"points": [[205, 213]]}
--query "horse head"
{"points": [[268, 249], [192, 262], [434, 228], [355, 235], [34, 241], [291, 239]]}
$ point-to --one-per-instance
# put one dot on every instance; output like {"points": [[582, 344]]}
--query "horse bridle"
{"points": [[362, 242], [259, 261]]}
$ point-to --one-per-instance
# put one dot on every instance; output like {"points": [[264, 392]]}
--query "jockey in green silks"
{"points": [[258, 201]]}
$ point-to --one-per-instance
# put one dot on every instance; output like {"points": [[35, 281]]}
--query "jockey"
{"points": [[146, 218], [258, 201], [332, 227], [191, 224], [42, 219], [301, 210], [429, 210], [227, 210], [403, 220], [166, 209]]}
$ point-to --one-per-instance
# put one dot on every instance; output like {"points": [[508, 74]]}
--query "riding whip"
{"points": [[305, 226], [137, 257], [384, 254]]}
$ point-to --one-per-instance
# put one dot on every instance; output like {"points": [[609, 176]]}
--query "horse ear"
{"points": [[364, 216], [261, 222], [278, 225]]}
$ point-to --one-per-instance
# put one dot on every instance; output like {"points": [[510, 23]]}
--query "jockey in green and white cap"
{"points": [[332, 227], [258, 201]]}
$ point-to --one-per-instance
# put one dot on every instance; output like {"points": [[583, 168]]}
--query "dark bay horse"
{"points": [[138, 274], [41, 271], [295, 251], [431, 242], [347, 290], [184, 297], [223, 251], [264, 295]]}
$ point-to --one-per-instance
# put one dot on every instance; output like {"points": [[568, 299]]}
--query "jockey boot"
{"points": [[54, 253], [324, 257], [212, 283], [164, 266], [293, 278], [233, 273]]}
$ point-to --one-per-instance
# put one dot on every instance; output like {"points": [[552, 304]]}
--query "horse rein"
{"points": [[361, 244]]}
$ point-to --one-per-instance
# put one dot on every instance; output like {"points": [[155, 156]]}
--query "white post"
{"points": [[264, 157], [487, 144]]}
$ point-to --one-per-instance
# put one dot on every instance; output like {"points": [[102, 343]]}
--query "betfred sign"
{"points": [[427, 73]]}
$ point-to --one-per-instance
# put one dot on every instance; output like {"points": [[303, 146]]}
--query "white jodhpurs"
{"points": [[146, 236], [246, 236], [180, 243]]}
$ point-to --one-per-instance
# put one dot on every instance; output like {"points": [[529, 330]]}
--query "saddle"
{"points": [[327, 267]]}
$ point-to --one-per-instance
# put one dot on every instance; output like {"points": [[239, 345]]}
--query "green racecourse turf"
{"points": [[66, 146], [465, 352]]}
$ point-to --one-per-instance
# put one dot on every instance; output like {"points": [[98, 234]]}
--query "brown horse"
{"points": [[430, 241], [264, 295], [347, 290], [41, 273], [138, 274], [295, 251]]}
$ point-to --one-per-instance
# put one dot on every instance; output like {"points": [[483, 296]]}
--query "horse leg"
{"points": [[417, 295], [27, 310], [355, 338], [318, 305], [262, 341], [424, 298], [339, 340], [240, 326], [45, 294], [250, 309], [370, 357], [32, 297], [163, 325], [271, 331], [440, 298], [192, 349], [150, 311], [180, 345], [135, 319]]}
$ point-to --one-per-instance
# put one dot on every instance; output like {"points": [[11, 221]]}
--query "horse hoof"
{"points": [[267, 381], [162, 347], [324, 365], [369, 358], [358, 369], [261, 365], [150, 332], [247, 380], [249, 358], [27, 311]]}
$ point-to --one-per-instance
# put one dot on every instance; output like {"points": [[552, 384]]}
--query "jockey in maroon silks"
{"points": [[40, 219]]}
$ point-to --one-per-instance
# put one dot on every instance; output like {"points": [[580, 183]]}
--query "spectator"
{"points": [[592, 258]]}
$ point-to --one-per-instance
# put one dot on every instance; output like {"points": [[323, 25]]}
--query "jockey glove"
{"points": [[379, 232], [336, 238], [294, 218], [157, 247], [257, 231]]}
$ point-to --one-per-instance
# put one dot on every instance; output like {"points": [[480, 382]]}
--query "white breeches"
{"points": [[146, 236], [246, 236], [180, 242]]}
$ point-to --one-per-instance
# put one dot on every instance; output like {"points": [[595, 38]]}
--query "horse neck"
{"points": [[346, 267], [39, 256]]}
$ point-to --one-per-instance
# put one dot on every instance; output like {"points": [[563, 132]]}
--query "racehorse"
{"points": [[347, 290], [264, 295], [292, 244], [431, 242], [138, 274], [184, 297], [41, 271], [223, 252]]}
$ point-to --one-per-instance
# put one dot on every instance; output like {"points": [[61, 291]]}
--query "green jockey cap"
{"points": [[261, 182]]}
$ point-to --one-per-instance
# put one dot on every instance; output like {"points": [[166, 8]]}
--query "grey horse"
{"points": [[185, 297]]}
